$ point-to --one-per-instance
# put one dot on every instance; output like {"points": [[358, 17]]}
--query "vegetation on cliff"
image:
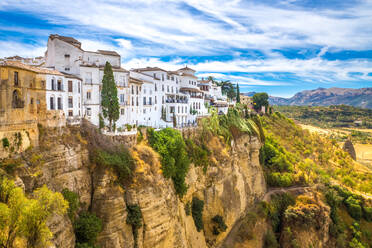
{"points": [[304, 158], [170, 145], [332, 116], [23, 219]]}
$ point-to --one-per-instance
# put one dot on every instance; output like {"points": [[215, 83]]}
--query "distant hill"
{"points": [[325, 97]]}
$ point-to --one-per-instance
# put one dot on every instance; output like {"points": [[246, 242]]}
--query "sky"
{"points": [[275, 46]]}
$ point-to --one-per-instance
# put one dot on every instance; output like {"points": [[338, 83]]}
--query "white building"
{"points": [[66, 55], [147, 96]]}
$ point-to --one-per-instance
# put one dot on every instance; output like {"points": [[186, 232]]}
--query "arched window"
{"points": [[52, 84], [16, 100], [59, 85], [51, 102]]}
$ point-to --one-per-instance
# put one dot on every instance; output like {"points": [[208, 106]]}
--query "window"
{"points": [[89, 95], [156, 100], [59, 103], [69, 86], [78, 87], [150, 100], [137, 90], [144, 90], [162, 99], [167, 77], [70, 102], [162, 77], [132, 90], [137, 101], [144, 101], [70, 113], [52, 103], [168, 88], [53, 86], [122, 111], [122, 98], [132, 101], [156, 87], [162, 87], [89, 111], [16, 82], [32, 101], [172, 89]]}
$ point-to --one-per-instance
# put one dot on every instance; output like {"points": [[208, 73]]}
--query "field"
{"points": [[363, 151]]}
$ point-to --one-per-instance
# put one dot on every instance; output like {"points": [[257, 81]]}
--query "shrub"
{"points": [[277, 179], [172, 149], [134, 218], [197, 213], [87, 227], [5, 142], [187, 208], [353, 207], [367, 213], [220, 225], [270, 240], [120, 161], [277, 207], [73, 203], [199, 155]]}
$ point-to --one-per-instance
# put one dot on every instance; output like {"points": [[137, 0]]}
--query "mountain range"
{"points": [[324, 97]]}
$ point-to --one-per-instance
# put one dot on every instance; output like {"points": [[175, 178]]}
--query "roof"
{"points": [[149, 69], [101, 67], [17, 64], [67, 39], [67, 75], [186, 68], [188, 75], [106, 52], [190, 89], [135, 80]]}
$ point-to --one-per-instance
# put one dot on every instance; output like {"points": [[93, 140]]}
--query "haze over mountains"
{"points": [[324, 97]]}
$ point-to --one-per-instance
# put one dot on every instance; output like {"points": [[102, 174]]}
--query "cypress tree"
{"points": [[109, 96], [238, 94]]}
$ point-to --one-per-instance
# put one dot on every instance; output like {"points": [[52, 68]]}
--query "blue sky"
{"points": [[277, 46]]}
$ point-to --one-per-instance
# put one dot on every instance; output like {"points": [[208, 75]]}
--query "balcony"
{"points": [[88, 81]]}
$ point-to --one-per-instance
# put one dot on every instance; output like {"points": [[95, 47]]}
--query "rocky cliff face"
{"points": [[228, 189]]}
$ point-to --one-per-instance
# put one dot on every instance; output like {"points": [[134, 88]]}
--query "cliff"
{"points": [[232, 187], [228, 189]]}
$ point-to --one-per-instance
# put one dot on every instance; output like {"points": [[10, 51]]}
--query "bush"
{"points": [[367, 213], [87, 227], [134, 218], [172, 149], [277, 207], [187, 208], [73, 203], [120, 161], [199, 155], [353, 207], [197, 213], [277, 179], [220, 225], [270, 240], [5, 142]]}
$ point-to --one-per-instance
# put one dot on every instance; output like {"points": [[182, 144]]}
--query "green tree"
{"points": [[109, 96], [237, 94], [87, 227], [259, 100]]}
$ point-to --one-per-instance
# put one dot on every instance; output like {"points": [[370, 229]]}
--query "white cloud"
{"points": [[25, 50]]}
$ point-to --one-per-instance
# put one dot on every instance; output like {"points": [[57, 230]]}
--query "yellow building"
{"points": [[246, 100], [22, 104]]}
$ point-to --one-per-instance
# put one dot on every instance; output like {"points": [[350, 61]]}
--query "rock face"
{"points": [[228, 188], [349, 148]]}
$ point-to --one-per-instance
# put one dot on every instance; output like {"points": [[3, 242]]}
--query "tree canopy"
{"points": [[109, 96], [259, 100], [23, 220]]}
